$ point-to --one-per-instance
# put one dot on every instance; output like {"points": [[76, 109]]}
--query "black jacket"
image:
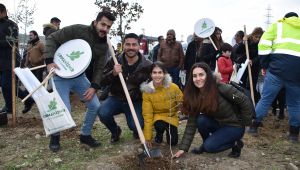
{"points": [[88, 33], [206, 54], [234, 109], [133, 75], [8, 31]]}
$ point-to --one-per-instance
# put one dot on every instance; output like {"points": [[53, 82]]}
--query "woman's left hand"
{"points": [[149, 144], [178, 154]]}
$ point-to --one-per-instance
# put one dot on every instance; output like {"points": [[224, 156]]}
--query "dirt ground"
{"points": [[26, 147]]}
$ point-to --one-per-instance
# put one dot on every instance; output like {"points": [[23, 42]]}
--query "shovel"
{"points": [[146, 152]]}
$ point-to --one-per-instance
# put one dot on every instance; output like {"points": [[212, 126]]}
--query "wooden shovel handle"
{"points": [[249, 69]]}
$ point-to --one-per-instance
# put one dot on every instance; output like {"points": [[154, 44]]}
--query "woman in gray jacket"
{"points": [[219, 111]]}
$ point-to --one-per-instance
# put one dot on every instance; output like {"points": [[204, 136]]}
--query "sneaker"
{"points": [[135, 135], [3, 109], [294, 134], [253, 130], [281, 115], [89, 140], [3, 119], [116, 137], [198, 151], [236, 149], [54, 143], [28, 105]]}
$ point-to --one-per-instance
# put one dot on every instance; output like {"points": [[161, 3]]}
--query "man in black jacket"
{"points": [[9, 32], [135, 69]]}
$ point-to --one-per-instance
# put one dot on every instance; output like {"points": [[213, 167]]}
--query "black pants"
{"points": [[38, 73], [279, 102], [6, 90], [162, 126]]}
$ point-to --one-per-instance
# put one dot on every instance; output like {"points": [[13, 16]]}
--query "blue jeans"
{"points": [[174, 73], [272, 86], [217, 138], [78, 85], [113, 106]]}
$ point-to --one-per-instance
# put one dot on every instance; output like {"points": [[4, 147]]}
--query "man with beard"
{"points": [[34, 56], [96, 36], [135, 69], [171, 54]]}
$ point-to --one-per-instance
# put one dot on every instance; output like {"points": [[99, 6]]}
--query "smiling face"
{"points": [[199, 77], [103, 26], [131, 47], [157, 76]]}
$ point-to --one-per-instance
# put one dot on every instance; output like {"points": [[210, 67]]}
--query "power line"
{"points": [[268, 16]]}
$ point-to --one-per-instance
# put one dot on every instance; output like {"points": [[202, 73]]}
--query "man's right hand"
{"points": [[117, 69], [263, 72], [52, 65]]}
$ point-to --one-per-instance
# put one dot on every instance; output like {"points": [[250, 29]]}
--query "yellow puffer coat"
{"points": [[160, 103]]}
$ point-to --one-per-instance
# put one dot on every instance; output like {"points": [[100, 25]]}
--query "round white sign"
{"points": [[73, 57], [204, 27]]}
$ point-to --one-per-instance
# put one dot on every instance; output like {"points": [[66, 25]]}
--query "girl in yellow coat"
{"points": [[161, 103]]}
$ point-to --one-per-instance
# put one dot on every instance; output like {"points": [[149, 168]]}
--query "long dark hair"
{"points": [[217, 42], [204, 100]]}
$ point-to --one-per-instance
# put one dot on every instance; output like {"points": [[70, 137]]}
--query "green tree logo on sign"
{"points": [[74, 55], [204, 25], [52, 105]]}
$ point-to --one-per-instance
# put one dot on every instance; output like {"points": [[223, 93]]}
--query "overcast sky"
{"points": [[161, 15]]}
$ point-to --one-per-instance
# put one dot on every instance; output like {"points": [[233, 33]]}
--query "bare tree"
{"points": [[23, 16], [125, 14]]}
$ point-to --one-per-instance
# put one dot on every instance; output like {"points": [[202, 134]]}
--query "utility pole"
{"points": [[268, 16], [143, 31]]}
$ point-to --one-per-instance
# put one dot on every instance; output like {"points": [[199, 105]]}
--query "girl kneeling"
{"points": [[219, 111], [161, 102]]}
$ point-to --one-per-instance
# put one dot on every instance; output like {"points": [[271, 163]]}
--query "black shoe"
{"points": [[28, 105], [3, 119], [26, 109], [89, 140], [294, 134], [274, 111], [135, 135], [3, 110], [116, 137], [158, 138], [253, 130], [198, 151], [54, 143], [281, 115], [236, 149]]}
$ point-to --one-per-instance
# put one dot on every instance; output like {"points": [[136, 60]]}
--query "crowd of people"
{"points": [[218, 110]]}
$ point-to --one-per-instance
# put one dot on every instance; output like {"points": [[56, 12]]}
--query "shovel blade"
{"points": [[154, 153]]}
